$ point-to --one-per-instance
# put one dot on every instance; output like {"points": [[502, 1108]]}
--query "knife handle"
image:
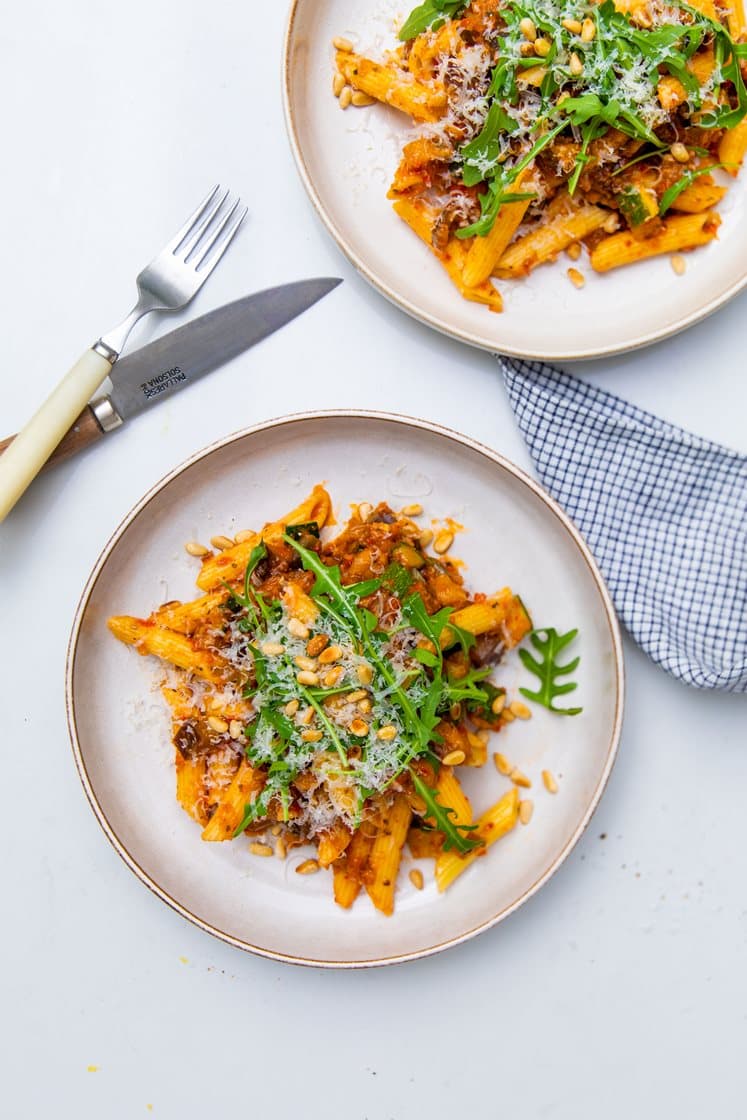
{"points": [[85, 431], [33, 445]]}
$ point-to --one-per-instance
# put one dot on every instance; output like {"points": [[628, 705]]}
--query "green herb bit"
{"points": [[670, 197], [549, 644], [429, 16], [455, 835]]}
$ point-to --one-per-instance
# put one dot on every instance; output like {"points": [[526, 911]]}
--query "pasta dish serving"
{"points": [[544, 126], [327, 686]]}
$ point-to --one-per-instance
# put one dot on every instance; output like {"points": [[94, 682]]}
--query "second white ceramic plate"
{"points": [[347, 161], [120, 727]]}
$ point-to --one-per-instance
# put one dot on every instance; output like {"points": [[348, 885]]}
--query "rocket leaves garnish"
{"points": [[549, 644], [429, 16], [670, 196], [455, 835]]}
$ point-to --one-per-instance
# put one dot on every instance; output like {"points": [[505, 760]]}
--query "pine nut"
{"points": [[244, 535], [359, 727], [317, 645], [678, 263], [307, 663], [258, 849], [527, 28], [498, 704], [338, 84], [307, 716], [365, 509], [297, 628], [365, 674], [332, 676], [680, 152], [346, 98], [416, 878], [588, 30], [502, 765], [194, 548], [219, 726], [413, 510], [312, 735], [329, 655], [307, 677], [526, 49], [235, 728], [386, 734], [576, 278], [425, 538], [576, 66], [291, 708], [574, 250], [364, 706], [521, 711], [549, 781], [361, 100], [573, 25], [443, 542], [341, 44], [359, 694], [280, 848], [308, 867], [526, 808], [520, 779], [611, 224], [222, 543], [507, 716], [542, 47], [276, 829], [272, 649], [454, 758]]}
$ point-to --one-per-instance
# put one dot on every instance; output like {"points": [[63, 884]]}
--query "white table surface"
{"points": [[620, 989]]}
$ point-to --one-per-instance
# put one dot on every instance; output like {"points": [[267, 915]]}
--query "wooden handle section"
{"points": [[82, 434], [33, 445]]}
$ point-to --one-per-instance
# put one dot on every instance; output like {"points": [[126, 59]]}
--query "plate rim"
{"points": [[470, 337], [402, 421]]}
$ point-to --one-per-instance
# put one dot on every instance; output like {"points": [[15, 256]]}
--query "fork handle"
{"points": [[81, 434], [33, 445]]}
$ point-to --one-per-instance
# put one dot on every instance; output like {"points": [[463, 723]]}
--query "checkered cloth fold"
{"points": [[663, 511]]}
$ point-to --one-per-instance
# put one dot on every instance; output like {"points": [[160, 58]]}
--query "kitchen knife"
{"points": [[177, 359]]}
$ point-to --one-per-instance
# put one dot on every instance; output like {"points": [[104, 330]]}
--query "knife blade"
{"points": [[162, 368]]}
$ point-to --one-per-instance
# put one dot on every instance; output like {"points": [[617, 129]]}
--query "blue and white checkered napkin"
{"points": [[663, 511]]}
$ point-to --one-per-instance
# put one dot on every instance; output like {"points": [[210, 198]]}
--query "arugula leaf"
{"points": [[495, 195], [549, 644], [431, 14], [670, 197], [454, 834]]}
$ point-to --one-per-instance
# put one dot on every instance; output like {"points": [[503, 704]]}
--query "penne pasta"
{"points": [[386, 854], [229, 565], [384, 83], [544, 243], [491, 826], [678, 234], [147, 638], [246, 784], [732, 148]]}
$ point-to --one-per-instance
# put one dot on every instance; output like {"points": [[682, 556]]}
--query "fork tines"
{"points": [[205, 235]]}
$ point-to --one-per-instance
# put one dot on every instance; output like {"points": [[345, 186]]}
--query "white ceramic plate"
{"points": [[120, 730], [347, 161]]}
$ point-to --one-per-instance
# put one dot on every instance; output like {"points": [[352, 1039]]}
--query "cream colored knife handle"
{"points": [[33, 445]]}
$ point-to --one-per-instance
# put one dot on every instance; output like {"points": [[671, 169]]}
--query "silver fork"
{"points": [[167, 284]]}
